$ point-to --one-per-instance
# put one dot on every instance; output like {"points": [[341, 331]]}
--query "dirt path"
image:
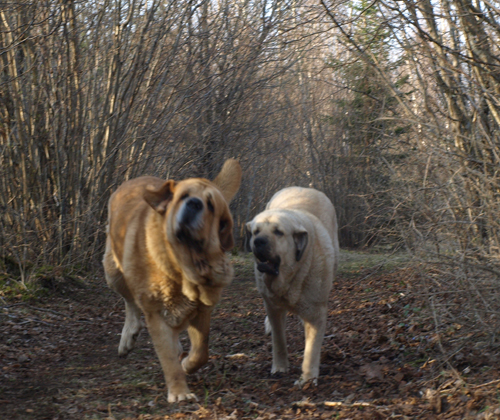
{"points": [[380, 359]]}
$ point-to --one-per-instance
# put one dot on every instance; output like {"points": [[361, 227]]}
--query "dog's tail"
{"points": [[267, 326]]}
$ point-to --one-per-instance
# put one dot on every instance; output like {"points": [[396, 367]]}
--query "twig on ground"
{"points": [[49, 311], [354, 404], [486, 384]]}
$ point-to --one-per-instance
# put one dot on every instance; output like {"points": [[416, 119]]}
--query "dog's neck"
{"points": [[203, 276], [284, 286], [158, 246]]}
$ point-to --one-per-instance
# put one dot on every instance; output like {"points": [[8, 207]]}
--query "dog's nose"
{"points": [[191, 211], [194, 204], [260, 242]]}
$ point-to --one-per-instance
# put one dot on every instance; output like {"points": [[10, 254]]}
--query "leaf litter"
{"points": [[381, 358]]}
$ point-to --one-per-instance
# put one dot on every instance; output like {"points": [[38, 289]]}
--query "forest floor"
{"points": [[381, 356]]}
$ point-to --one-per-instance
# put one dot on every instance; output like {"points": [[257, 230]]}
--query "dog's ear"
{"points": [[248, 236], [229, 179], [226, 238], [158, 198], [300, 238]]}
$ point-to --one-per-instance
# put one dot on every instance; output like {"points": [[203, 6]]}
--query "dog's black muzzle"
{"points": [[266, 262], [191, 211], [188, 221]]}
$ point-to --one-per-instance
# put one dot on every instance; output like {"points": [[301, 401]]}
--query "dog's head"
{"points": [[276, 241], [196, 210]]}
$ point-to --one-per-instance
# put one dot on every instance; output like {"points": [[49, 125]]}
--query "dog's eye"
{"points": [[256, 232], [210, 206], [184, 196], [278, 232], [222, 225]]}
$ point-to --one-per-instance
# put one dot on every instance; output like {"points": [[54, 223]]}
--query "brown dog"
{"points": [[166, 256]]}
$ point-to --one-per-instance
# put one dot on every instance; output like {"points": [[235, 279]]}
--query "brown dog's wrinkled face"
{"points": [[275, 242], [196, 214]]}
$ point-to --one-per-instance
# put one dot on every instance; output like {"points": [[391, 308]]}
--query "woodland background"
{"points": [[392, 108]]}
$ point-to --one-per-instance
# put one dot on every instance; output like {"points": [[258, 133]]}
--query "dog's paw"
{"points": [[277, 375], [303, 380], [279, 369], [182, 396], [127, 343], [191, 364], [131, 330]]}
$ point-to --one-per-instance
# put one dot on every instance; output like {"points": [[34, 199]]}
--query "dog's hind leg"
{"points": [[133, 323], [277, 320], [131, 329], [267, 326]]}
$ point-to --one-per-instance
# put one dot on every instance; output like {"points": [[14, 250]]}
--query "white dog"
{"points": [[295, 245]]}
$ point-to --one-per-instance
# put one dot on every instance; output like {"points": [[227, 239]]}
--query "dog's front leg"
{"points": [[166, 343], [277, 319], [198, 330], [314, 333]]}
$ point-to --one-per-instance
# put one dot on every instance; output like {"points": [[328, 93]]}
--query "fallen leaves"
{"points": [[372, 372], [379, 361]]}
